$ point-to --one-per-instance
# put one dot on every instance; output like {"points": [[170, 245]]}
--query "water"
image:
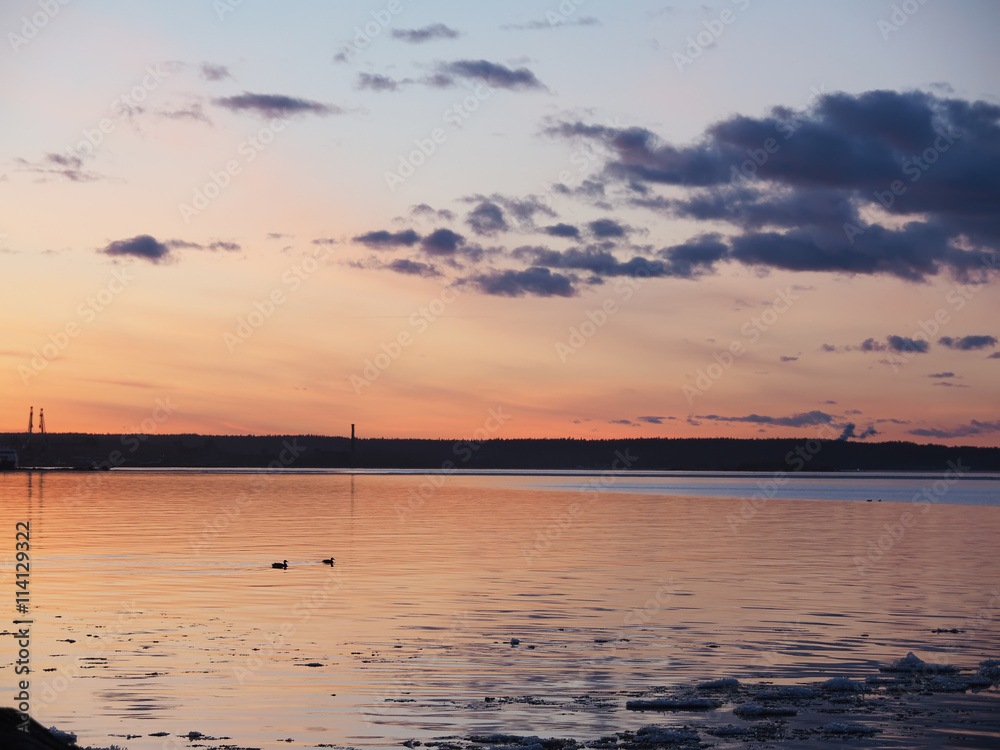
{"points": [[162, 581]]}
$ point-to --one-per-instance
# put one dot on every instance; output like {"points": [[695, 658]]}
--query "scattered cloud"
{"points": [[805, 419], [553, 21], [413, 268], [212, 72], [801, 209], [142, 246], [377, 82], [442, 242], [941, 375], [540, 282], [968, 343], [604, 229], [492, 74], [562, 230], [789, 359], [487, 219], [975, 427], [425, 34], [653, 420], [382, 239], [275, 105], [68, 166]]}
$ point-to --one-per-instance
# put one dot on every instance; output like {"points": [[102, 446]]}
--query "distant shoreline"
{"points": [[806, 455]]}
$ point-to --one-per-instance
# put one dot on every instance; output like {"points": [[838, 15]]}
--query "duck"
{"points": [[280, 565], [329, 561]]}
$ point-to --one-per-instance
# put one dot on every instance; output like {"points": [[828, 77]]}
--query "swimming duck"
{"points": [[280, 565], [329, 561]]}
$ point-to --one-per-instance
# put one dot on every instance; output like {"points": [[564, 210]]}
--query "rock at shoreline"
{"points": [[36, 738]]}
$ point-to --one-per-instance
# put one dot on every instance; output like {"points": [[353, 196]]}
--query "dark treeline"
{"points": [[314, 451]]}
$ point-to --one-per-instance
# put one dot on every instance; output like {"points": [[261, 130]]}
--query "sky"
{"points": [[521, 219]]}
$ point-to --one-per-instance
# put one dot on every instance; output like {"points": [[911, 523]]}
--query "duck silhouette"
{"points": [[330, 561], [280, 565]]}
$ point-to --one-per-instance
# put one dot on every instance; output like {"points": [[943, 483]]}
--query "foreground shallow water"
{"points": [[156, 610]]}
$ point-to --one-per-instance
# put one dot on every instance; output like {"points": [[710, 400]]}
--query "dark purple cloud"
{"points": [[968, 343], [805, 419], [493, 74], [142, 246], [539, 282], [382, 239], [794, 184], [274, 105], [975, 427], [442, 242]]}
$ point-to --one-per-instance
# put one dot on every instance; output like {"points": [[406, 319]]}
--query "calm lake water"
{"points": [[156, 610]]}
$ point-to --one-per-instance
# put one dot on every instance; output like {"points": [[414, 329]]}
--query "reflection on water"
{"points": [[157, 610]]}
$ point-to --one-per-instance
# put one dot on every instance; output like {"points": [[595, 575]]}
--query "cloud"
{"points": [[848, 431], [230, 247], [905, 344], [785, 358], [995, 355], [68, 166], [562, 230], [606, 229], [620, 421], [487, 219], [422, 209], [553, 21], [142, 246], [594, 258], [413, 268], [798, 205], [653, 420], [425, 34], [941, 375], [975, 427], [695, 257], [275, 105], [376, 82], [324, 241], [382, 239], [212, 72], [805, 419], [536, 281], [493, 74], [442, 242], [968, 343]]}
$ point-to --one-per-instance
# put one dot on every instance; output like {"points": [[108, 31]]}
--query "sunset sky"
{"points": [[633, 219]]}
